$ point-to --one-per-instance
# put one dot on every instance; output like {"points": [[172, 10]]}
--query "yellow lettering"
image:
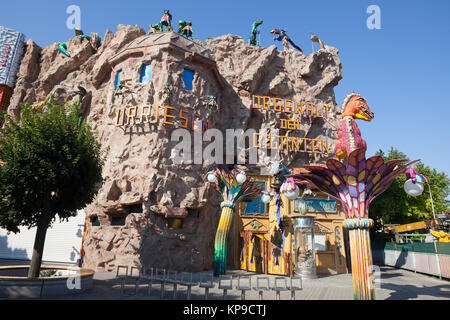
{"points": [[314, 146], [277, 107], [266, 104], [156, 115], [295, 143], [326, 107], [317, 111], [287, 108], [145, 114], [131, 114], [297, 108], [168, 116], [119, 119], [185, 118], [259, 106], [325, 147], [305, 141], [254, 140], [309, 108]]}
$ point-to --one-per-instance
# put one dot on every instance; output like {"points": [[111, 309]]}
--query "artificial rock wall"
{"points": [[143, 185]]}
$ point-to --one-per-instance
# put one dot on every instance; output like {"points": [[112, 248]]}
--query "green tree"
{"points": [[52, 168], [394, 206]]}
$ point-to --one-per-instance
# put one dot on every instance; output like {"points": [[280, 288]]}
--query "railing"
{"points": [[428, 258], [162, 277]]}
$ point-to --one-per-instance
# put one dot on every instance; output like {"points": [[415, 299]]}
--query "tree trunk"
{"points": [[38, 248]]}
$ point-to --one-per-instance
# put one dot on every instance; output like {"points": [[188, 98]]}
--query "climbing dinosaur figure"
{"points": [[154, 28], [253, 41], [187, 31], [94, 39], [166, 21], [314, 38], [349, 136], [212, 103], [83, 100], [181, 25], [281, 35]]}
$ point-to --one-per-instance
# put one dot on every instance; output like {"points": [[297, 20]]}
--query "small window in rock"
{"points": [[95, 222], [118, 221], [188, 77], [117, 79], [174, 223], [146, 73], [136, 208]]}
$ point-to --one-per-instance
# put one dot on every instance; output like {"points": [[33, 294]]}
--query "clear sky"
{"points": [[403, 69]]}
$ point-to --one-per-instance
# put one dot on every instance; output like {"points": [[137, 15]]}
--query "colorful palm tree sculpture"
{"points": [[356, 184], [233, 192]]}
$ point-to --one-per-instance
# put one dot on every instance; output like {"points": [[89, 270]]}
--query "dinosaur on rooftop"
{"points": [[154, 28], [187, 30], [166, 21], [281, 35], [349, 136], [253, 41]]}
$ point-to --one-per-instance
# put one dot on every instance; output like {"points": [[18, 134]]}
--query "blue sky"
{"points": [[403, 70]]}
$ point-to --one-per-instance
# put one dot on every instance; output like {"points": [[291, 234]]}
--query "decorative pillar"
{"points": [[235, 187], [220, 244], [361, 258]]}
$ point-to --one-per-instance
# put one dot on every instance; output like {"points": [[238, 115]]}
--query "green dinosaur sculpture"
{"points": [[181, 25], [94, 40], [154, 28], [187, 31], [166, 21], [212, 103], [253, 41]]}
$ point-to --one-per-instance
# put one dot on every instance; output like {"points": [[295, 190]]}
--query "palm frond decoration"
{"points": [[355, 185], [232, 193]]}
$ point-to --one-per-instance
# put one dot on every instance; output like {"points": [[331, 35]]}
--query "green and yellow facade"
{"points": [[254, 238]]}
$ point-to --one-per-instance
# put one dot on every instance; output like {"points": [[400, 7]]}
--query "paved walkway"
{"points": [[393, 284]]}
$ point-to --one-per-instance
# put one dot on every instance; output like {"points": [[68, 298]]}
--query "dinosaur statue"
{"points": [[187, 30], [166, 21], [279, 171], [314, 38], [181, 25], [118, 92], [154, 28], [212, 103], [94, 39], [349, 136], [62, 46], [281, 35], [83, 99], [253, 41]]}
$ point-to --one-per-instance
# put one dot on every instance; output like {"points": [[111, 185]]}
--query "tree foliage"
{"points": [[394, 206], [52, 166]]}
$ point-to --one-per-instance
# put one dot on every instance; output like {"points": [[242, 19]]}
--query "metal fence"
{"points": [[428, 258]]}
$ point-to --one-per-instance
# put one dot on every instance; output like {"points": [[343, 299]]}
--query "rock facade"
{"points": [[146, 193]]}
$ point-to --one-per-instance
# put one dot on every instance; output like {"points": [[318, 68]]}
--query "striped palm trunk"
{"points": [[220, 245], [361, 258]]}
